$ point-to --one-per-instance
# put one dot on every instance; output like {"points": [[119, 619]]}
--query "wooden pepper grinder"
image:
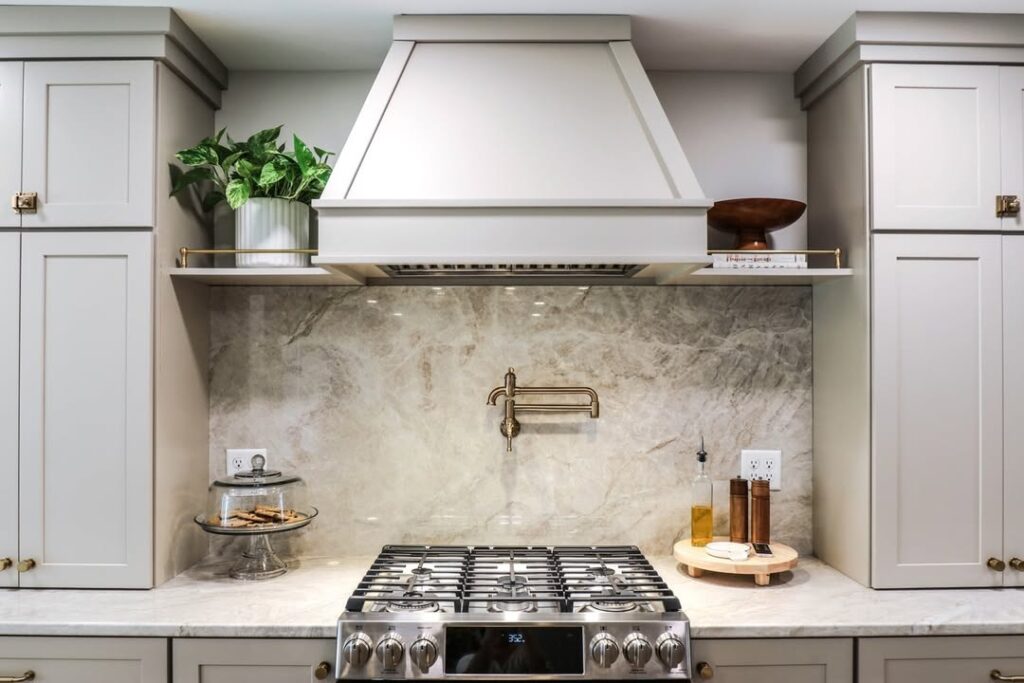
{"points": [[760, 511], [738, 510]]}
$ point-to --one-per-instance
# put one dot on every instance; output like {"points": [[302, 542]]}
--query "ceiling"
{"points": [[732, 35]]}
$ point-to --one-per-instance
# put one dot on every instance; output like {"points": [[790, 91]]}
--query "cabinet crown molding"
{"points": [[904, 37], [34, 32]]}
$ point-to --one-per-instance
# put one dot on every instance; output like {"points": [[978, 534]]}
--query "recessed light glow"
{"points": [[437, 289], [397, 314], [535, 315], [538, 303], [583, 289], [371, 301], [510, 289]]}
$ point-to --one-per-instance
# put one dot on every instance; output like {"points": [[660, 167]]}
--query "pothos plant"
{"points": [[259, 167]]}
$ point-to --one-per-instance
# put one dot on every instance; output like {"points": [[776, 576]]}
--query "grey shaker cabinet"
{"points": [[938, 659], [253, 660], [85, 660], [791, 660], [937, 409]]}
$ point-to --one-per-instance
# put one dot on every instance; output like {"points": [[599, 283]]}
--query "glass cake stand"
{"points": [[258, 561]]}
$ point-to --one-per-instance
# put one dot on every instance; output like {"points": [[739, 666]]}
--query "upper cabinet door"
{"points": [[88, 143], [935, 147], [1011, 102], [10, 140], [86, 460], [937, 388], [10, 282]]}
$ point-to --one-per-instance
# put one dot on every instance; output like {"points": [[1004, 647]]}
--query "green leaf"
{"points": [[191, 177], [270, 174], [199, 155], [212, 199], [246, 168], [265, 137], [322, 154], [238, 192], [303, 156]]}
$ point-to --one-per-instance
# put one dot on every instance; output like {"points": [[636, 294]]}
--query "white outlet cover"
{"points": [[240, 459], [762, 464]]}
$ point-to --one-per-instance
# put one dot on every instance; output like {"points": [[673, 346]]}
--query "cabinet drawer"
{"points": [[939, 659], [85, 660], [253, 660], [790, 660]]}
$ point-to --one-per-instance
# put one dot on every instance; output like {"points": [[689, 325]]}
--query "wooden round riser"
{"points": [[698, 561]]}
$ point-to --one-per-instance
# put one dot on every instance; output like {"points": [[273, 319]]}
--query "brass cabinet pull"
{"points": [[1007, 205], [996, 564], [1017, 563], [5, 563], [24, 202], [995, 675], [705, 670], [322, 670], [24, 566], [31, 676]]}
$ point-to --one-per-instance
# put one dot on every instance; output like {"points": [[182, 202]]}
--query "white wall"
{"points": [[744, 133]]}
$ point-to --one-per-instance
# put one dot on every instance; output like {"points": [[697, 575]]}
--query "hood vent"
{"points": [[502, 147]]}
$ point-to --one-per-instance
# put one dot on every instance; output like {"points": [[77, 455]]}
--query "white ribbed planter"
{"points": [[265, 223]]}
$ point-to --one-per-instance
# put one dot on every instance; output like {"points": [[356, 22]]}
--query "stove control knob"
{"points": [[637, 649], [670, 649], [390, 651], [357, 649], [423, 652], [604, 649]]}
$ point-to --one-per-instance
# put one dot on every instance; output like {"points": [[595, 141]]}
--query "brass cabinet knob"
{"points": [[25, 565], [996, 564], [996, 675], [322, 670], [1017, 563], [6, 563], [705, 671]]}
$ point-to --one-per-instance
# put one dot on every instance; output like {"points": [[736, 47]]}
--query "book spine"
{"points": [[759, 258], [757, 265]]}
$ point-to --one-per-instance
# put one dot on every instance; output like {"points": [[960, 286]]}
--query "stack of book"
{"points": [[759, 259]]}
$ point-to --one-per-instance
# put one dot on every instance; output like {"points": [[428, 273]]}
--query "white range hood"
{"points": [[507, 146]]}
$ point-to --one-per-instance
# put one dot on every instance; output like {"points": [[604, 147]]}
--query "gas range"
{"points": [[512, 612]]}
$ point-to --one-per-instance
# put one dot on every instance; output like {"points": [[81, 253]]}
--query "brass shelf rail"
{"points": [[835, 253], [185, 252]]}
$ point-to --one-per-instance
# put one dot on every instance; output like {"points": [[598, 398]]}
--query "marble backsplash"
{"points": [[376, 396]]}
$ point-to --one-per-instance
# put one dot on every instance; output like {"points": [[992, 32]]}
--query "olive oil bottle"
{"points": [[702, 516]]}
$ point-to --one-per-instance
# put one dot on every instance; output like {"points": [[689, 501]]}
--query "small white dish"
{"points": [[737, 552]]}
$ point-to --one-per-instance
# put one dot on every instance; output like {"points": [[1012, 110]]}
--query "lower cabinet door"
{"points": [[938, 659], [84, 660], [789, 660], [10, 302], [86, 455], [253, 660]]}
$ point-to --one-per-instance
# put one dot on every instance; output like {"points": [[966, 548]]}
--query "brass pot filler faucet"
{"points": [[510, 425]]}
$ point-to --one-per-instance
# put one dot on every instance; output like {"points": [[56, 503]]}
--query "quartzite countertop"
{"points": [[813, 601]]}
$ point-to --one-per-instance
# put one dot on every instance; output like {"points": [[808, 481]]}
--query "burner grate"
{"points": [[414, 578]]}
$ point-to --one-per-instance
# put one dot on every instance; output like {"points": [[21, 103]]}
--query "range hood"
{"points": [[523, 146]]}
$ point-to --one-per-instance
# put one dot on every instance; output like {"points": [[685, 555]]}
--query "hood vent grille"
{"points": [[616, 270]]}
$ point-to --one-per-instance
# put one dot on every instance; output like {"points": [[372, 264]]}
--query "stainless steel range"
{"points": [[473, 612]]}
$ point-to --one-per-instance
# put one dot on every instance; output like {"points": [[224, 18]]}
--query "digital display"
{"points": [[498, 650]]}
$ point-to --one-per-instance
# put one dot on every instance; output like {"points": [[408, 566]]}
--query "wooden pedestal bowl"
{"points": [[751, 219]]}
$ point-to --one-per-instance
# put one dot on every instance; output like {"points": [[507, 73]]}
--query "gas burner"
{"points": [[412, 602], [512, 602], [512, 583]]}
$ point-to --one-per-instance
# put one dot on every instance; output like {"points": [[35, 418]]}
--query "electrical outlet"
{"points": [[240, 459], [755, 464]]}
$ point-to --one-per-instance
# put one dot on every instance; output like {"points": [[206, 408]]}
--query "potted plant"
{"points": [[269, 188]]}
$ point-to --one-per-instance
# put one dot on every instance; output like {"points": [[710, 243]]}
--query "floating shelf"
{"points": [[752, 276], [264, 276]]}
